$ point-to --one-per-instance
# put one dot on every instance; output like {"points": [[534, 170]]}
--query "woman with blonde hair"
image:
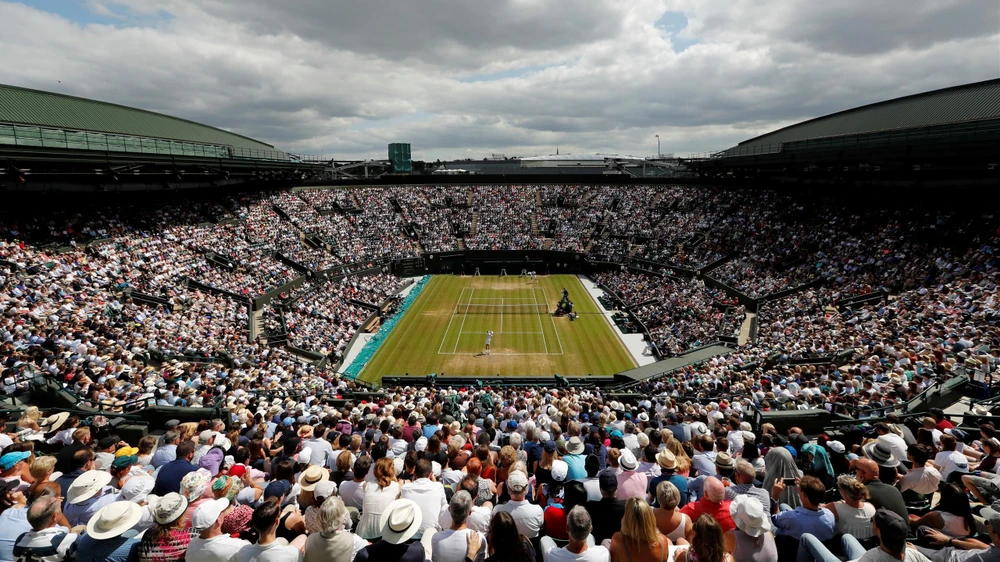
{"points": [[29, 418], [674, 525], [187, 431], [378, 495], [639, 540], [707, 543], [674, 446], [853, 514]]}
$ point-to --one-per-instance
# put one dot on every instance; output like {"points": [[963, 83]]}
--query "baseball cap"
{"points": [[8, 461], [517, 481], [109, 441], [276, 489], [124, 462], [208, 513], [892, 529], [992, 517], [559, 470], [607, 480], [550, 446]]}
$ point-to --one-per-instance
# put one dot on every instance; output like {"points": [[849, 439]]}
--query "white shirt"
{"points": [[429, 497], [923, 480], [592, 554], [451, 545], [527, 516], [896, 444], [352, 493], [277, 551], [479, 519], [215, 549], [950, 461]]}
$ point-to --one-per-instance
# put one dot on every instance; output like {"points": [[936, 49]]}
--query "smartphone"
{"points": [[788, 481]]}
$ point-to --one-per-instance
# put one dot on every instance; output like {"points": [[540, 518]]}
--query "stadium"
{"points": [[839, 270]]}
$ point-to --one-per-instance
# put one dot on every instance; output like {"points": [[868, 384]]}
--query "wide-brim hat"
{"points": [[312, 476], [55, 421], [748, 514], [114, 519], [400, 521], [574, 446], [87, 485], [881, 454]]}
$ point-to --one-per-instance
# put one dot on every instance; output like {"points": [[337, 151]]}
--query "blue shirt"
{"points": [[577, 469], [704, 463], [118, 549], [430, 430], [801, 520], [13, 523], [680, 482], [163, 455], [170, 476]]}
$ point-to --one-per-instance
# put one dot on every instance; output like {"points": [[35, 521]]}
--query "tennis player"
{"points": [[489, 338]]}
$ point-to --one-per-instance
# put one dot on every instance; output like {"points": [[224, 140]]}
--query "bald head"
{"points": [[867, 469], [714, 490]]}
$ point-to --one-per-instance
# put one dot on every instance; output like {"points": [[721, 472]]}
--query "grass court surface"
{"points": [[444, 331]]}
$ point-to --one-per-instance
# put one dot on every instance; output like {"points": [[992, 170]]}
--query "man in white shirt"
{"points": [[578, 527], [922, 478], [269, 547], [479, 519], [352, 491], [895, 443], [211, 545], [452, 544], [949, 460], [527, 516], [427, 494]]}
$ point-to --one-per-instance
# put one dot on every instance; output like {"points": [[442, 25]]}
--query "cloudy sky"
{"points": [[466, 78]]}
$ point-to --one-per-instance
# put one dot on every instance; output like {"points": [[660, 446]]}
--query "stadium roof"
{"points": [[22, 106], [958, 104]]}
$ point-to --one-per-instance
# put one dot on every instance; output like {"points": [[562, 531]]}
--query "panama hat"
{"points": [[666, 459], [400, 521], [114, 519], [312, 476], [627, 460], [748, 514], [87, 485]]}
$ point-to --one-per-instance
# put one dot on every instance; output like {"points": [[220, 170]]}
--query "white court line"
{"points": [[463, 322], [558, 339], [501, 316], [451, 320], [540, 327]]}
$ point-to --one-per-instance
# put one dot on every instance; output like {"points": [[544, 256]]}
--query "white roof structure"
{"points": [[567, 160]]}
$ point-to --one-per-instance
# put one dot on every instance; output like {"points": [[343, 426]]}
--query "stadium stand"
{"points": [[224, 318]]}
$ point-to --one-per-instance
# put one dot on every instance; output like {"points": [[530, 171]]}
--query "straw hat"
{"points": [[113, 520], [312, 476]]}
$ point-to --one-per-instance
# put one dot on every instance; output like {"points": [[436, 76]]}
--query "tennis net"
{"points": [[529, 308]]}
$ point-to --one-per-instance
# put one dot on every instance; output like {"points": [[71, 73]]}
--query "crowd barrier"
{"points": [[368, 351]]}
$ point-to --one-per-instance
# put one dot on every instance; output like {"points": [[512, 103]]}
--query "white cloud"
{"points": [[345, 78]]}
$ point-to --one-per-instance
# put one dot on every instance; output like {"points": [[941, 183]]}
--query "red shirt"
{"points": [[555, 522], [719, 511], [943, 425]]}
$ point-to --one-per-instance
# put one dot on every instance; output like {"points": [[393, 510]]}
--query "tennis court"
{"points": [[444, 331]]}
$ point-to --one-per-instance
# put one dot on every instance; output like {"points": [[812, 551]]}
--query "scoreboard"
{"points": [[409, 267]]}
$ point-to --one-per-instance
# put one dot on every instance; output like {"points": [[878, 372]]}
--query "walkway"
{"points": [[632, 342]]}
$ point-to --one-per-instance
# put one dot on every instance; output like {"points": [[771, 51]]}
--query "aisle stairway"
{"points": [[534, 224], [745, 329], [255, 323], [474, 227]]}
